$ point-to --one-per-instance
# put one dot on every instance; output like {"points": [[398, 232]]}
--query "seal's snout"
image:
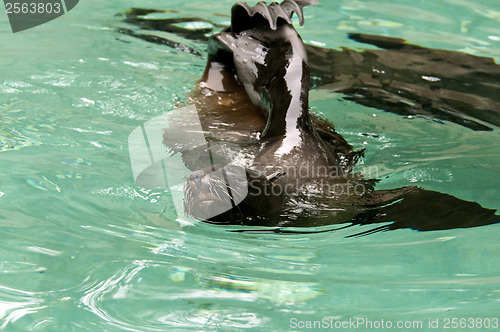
{"points": [[196, 177]]}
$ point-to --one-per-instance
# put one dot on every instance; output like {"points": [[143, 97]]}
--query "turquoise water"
{"points": [[83, 248]]}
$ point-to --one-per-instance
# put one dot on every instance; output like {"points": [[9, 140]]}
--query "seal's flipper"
{"points": [[244, 17], [423, 210]]}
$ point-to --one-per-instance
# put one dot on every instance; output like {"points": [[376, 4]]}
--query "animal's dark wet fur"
{"points": [[264, 91]]}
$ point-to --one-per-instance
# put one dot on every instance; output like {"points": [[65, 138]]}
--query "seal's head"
{"points": [[231, 195]]}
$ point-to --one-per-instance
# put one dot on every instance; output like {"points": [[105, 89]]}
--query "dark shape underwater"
{"points": [[254, 95]]}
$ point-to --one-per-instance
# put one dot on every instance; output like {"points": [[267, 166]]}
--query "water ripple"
{"points": [[15, 131], [15, 304]]}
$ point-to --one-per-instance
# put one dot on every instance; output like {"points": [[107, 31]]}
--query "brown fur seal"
{"points": [[295, 170], [266, 56]]}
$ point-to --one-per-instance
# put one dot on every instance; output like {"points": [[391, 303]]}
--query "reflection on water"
{"points": [[15, 132], [16, 304]]}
